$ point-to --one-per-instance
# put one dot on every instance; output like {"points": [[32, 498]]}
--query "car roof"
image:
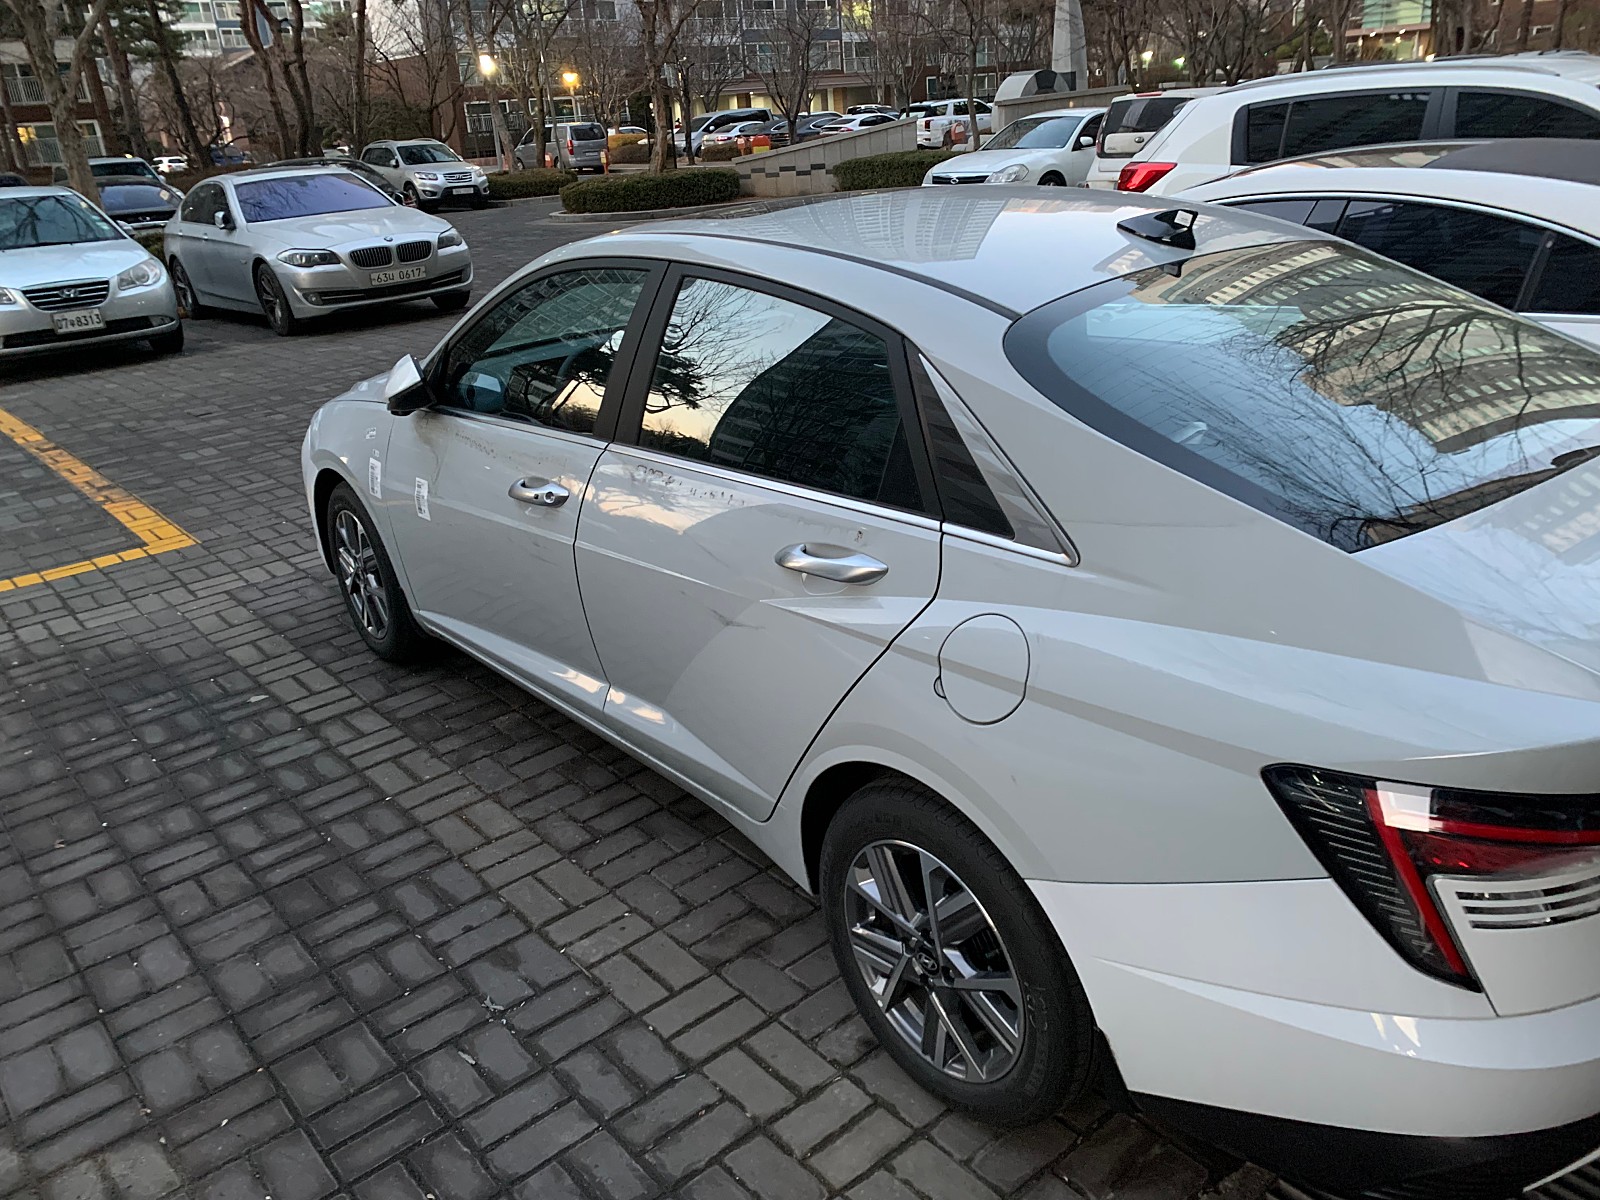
{"points": [[272, 171], [1560, 201], [1010, 249], [1575, 65], [1062, 112], [1188, 93], [105, 181], [115, 158], [37, 190]]}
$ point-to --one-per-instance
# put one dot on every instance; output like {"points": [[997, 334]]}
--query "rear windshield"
{"points": [[1338, 391], [1135, 114], [586, 133], [305, 196]]}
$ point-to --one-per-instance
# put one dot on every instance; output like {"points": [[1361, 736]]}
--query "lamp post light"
{"points": [[487, 68], [570, 79]]}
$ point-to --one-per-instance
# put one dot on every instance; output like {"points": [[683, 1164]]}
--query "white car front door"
{"points": [[484, 489], [765, 540]]}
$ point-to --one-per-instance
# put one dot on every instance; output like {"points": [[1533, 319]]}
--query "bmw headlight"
{"points": [[1015, 173], [450, 237], [430, 176], [309, 258], [141, 274]]}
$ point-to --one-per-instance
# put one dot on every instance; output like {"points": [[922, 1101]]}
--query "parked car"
{"points": [[72, 278], [1130, 122], [295, 243], [728, 134], [1249, 762], [428, 172], [1516, 222], [1052, 149], [362, 170], [104, 166], [1287, 116], [861, 110], [574, 145], [136, 202], [806, 127], [11, 179], [707, 123], [169, 164], [856, 124], [937, 121], [640, 130], [226, 155]]}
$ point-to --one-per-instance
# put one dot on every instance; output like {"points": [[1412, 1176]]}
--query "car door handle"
{"points": [[840, 566], [539, 491]]}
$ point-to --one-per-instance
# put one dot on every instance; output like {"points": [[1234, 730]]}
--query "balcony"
{"points": [[46, 151], [25, 90]]}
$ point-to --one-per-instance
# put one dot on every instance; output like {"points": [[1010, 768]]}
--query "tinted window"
{"points": [[1347, 396], [423, 153], [586, 133], [129, 197], [1570, 281], [1508, 115], [754, 383], [1285, 210], [545, 352], [201, 203], [52, 221], [1135, 114], [1035, 133], [1335, 122], [1489, 256], [1263, 132], [305, 196]]}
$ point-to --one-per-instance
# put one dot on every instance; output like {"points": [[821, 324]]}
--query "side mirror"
{"points": [[405, 391], [127, 229], [222, 220], [1085, 142]]}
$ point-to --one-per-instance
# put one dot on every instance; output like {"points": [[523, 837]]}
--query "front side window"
{"points": [[1509, 115], [52, 221], [421, 154], [200, 204], [1323, 214], [545, 352], [1343, 394], [305, 196], [1570, 279], [1325, 123], [755, 383], [1489, 256]]}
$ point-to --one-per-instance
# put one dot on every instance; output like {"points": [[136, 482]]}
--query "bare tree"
{"points": [[358, 99], [41, 23], [710, 54], [798, 50], [899, 40], [249, 17], [421, 70], [536, 25], [127, 94], [661, 22], [481, 52], [608, 59]]}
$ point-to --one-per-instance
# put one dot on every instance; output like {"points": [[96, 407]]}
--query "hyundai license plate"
{"points": [[78, 322], [398, 275]]}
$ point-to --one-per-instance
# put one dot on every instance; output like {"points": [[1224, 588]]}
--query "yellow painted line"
{"points": [[155, 532]]}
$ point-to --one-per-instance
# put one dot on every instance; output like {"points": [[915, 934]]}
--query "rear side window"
{"points": [[1489, 256], [1323, 214], [1130, 121], [1570, 280], [1314, 126], [1509, 115], [755, 383], [1347, 396]]}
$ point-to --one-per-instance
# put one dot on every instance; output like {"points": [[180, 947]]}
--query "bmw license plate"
{"points": [[78, 322], [399, 275]]}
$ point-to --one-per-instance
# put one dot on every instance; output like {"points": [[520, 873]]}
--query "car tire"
{"points": [[451, 301], [1052, 180], [897, 827], [170, 342], [274, 304], [367, 583], [188, 301]]}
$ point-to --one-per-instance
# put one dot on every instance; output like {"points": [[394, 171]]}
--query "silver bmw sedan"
{"points": [[301, 242]]}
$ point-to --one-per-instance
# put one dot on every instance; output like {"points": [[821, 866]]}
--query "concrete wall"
{"points": [[1007, 111], [803, 170]]}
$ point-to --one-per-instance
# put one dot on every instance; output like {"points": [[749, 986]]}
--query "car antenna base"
{"points": [[1173, 227]]}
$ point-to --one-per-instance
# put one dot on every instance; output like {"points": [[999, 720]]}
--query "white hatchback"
{"points": [[1190, 672]]}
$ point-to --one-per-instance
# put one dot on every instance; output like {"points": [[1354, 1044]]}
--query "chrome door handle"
{"points": [[539, 491], [840, 566]]}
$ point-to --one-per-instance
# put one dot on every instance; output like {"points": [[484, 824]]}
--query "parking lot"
{"points": [[279, 920]]}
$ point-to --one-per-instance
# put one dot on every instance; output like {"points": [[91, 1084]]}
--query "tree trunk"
{"points": [[1558, 34], [252, 35], [58, 95], [127, 98], [972, 98], [497, 120], [1524, 24], [358, 102], [194, 146], [112, 139], [11, 152]]}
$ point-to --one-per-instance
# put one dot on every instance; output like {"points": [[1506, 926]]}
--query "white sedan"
{"points": [[1169, 676], [1516, 222], [1052, 149]]}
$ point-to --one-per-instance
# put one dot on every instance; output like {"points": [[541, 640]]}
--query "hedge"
{"points": [[633, 152], [153, 242], [637, 193], [616, 141], [719, 153], [900, 168], [518, 185]]}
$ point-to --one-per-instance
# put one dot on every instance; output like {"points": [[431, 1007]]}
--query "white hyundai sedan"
{"points": [[1190, 672]]}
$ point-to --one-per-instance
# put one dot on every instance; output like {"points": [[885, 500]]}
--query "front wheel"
{"points": [[270, 295], [950, 959], [372, 594], [1052, 180]]}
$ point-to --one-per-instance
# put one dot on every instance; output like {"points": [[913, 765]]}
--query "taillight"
{"points": [[1383, 843], [569, 146], [1138, 176]]}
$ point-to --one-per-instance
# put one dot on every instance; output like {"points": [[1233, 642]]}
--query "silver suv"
{"points": [[427, 172]]}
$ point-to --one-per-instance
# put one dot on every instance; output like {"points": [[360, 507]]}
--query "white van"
{"points": [[1287, 116]]}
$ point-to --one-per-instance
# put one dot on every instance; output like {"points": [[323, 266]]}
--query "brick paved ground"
{"points": [[277, 919]]}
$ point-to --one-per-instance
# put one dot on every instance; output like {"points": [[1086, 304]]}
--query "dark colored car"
{"points": [[365, 171], [806, 127], [7, 179], [139, 203]]}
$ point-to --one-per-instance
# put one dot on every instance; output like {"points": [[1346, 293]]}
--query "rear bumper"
{"points": [[1271, 1018]]}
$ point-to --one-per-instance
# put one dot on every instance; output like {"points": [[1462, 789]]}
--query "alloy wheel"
{"points": [[360, 576], [270, 298], [185, 290], [934, 961]]}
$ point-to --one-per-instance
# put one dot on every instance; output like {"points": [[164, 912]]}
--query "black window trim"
{"points": [[605, 424], [1452, 95], [630, 418], [1432, 118]]}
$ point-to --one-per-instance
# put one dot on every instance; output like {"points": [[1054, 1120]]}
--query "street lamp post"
{"points": [[570, 78], [487, 68]]}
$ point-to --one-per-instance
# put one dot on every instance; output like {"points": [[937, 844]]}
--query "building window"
{"points": [[41, 148]]}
